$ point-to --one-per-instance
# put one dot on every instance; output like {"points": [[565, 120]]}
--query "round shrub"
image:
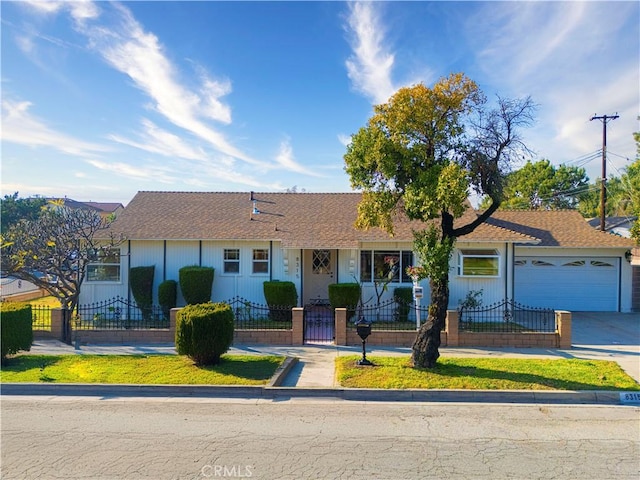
{"points": [[141, 283], [345, 295], [167, 296], [16, 328], [403, 296], [196, 283], [204, 332], [281, 297]]}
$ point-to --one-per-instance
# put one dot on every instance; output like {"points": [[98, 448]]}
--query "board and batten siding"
{"points": [[493, 289]]}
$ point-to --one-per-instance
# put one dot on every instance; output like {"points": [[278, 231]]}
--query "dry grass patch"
{"points": [[485, 374]]}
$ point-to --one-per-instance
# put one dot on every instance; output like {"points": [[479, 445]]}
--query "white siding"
{"points": [[493, 289]]}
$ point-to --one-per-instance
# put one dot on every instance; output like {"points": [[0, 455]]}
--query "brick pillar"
{"points": [[297, 335], [57, 324], [172, 322], [452, 328], [341, 326], [563, 324]]}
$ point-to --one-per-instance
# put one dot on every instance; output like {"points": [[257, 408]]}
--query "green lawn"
{"points": [[139, 369], [485, 374]]}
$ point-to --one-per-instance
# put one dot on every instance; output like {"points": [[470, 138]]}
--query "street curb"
{"points": [[282, 371], [586, 397]]}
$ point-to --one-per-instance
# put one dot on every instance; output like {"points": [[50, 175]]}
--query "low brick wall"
{"points": [[269, 337], [344, 335], [502, 340], [389, 338], [452, 337]]}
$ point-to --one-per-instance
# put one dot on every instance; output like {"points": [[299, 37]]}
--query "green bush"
{"points": [[16, 331], [403, 296], [196, 283], [141, 283], [204, 332], [345, 295], [281, 297], [167, 296]]}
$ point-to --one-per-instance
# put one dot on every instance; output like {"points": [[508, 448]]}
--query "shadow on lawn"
{"points": [[257, 368], [518, 378]]}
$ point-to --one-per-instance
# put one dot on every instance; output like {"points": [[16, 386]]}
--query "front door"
{"points": [[319, 271]]}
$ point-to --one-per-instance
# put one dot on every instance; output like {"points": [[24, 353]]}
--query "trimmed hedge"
{"points": [[196, 283], [204, 332], [16, 331], [281, 297], [167, 296], [141, 283], [403, 296], [345, 295]]}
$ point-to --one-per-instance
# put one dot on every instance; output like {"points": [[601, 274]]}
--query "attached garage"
{"points": [[568, 283]]}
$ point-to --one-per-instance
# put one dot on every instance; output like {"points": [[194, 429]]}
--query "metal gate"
{"points": [[319, 324]]}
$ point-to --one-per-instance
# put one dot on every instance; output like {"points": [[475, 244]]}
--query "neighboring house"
{"points": [[539, 258], [105, 209], [616, 225]]}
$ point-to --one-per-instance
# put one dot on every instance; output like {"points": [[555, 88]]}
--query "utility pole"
{"points": [[603, 190]]}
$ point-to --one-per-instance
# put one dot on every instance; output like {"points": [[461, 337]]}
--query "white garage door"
{"points": [[567, 283]]}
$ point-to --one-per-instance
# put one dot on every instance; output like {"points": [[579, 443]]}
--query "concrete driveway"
{"points": [[603, 328], [608, 336]]}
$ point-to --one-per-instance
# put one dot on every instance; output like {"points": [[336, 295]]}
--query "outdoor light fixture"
{"points": [[255, 210], [364, 330]]}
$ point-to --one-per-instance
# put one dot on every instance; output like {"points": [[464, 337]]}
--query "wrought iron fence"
{"points": [[389, 315], [41, 317], [120, 313], [507, 316], [253, 316]]}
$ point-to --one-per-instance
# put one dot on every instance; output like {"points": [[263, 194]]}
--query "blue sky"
{"points": [[101, 100]]}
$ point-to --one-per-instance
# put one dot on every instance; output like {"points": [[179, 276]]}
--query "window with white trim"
{"points": [[479, 263], [260, 260], [231, 260], [105, 267], [375, 265]]}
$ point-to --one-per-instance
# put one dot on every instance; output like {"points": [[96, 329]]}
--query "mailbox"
{"points": [[363, 328]]}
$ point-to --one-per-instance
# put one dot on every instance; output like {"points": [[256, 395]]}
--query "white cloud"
{"points": [[369, 67], [286, 159], [128, 48], [156, 140], [344, 139], [19, 126], [151, 173], [575, 59]]}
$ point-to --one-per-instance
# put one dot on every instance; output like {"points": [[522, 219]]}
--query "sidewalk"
{"points": [[315, 365]]}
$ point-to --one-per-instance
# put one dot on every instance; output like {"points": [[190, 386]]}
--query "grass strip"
{"points": [[139, 369], [485, 374]]}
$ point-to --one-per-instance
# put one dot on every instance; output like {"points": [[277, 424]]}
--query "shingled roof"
{"points": [[557, 228], [298, 220]]}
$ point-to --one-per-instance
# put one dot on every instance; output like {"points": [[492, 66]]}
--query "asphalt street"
{"points": [[197, 438]]}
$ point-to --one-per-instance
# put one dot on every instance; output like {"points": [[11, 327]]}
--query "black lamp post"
{"points": [[364, 330]]}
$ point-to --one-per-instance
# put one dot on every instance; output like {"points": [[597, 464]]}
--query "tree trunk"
{"points": [[425, 348]]}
